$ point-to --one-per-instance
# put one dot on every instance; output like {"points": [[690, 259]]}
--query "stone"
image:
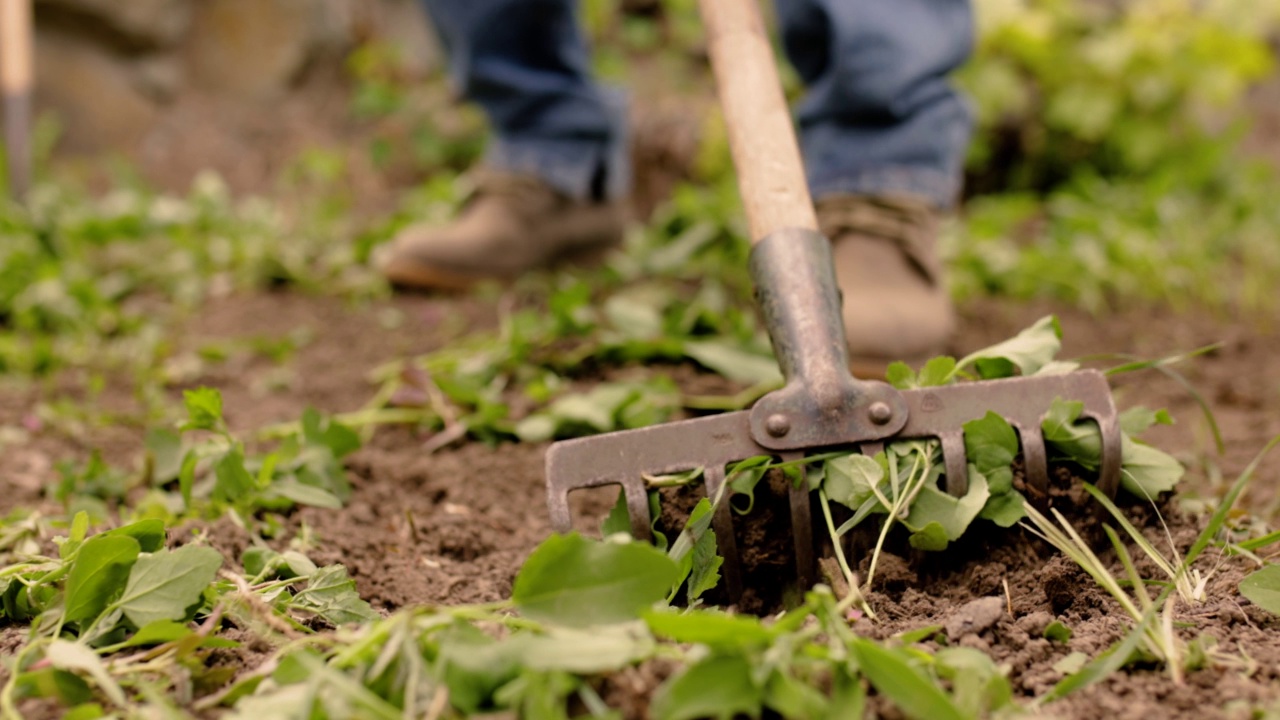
{"points": [[95, 94], [974, 616], [144, 23]]}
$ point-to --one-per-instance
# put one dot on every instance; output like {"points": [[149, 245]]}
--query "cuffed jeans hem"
{"points": [[940, 188]]}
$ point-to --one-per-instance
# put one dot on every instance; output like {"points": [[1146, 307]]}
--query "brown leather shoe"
{"points": [[896, 306], [512, 224]]}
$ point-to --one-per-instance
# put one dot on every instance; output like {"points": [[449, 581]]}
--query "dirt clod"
{"points": [[974, 617]]}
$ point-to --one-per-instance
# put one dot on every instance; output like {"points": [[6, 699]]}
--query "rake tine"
{"points": [[731, 569], [1112, 453], [956, 462], [638, 510], [871, 449], [802, 529], [1035, 460]]}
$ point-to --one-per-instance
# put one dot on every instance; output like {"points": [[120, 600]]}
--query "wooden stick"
{"points": [[771, 176], [16, 64]]}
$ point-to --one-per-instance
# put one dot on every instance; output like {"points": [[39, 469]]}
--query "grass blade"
{"points": [[1108, 662], [1139, 587], [904, 685], [1219, 517]]}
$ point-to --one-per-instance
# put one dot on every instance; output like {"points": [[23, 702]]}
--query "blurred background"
{"points": [[1121, 142], [212, 175]]}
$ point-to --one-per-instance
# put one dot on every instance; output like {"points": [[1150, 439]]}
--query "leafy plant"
{"points": [[902, 482]]}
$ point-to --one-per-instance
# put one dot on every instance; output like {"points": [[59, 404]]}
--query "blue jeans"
{"points": [[880, 116]]}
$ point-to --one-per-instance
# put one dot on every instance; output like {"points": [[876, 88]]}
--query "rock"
{"points": [[94, 93], [256, 48], [1034, 623], [144, 23], [974, 616]]}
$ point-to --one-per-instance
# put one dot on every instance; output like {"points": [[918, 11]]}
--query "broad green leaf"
{"points": [[304, 494], [619, 518], [75, 535], [332, 595], [1137, 420], [285, 702], [256, 558], [149, 533], [905, 686], [977, 684], [1069, 437], [709, 627], [901, 376], [655, 512], [743, 478], [536, 428], [571, 581], [474, 666], [204, 408], [99, 572], [792, 698], [931, 537], [849, 480], [1004, 510], [1027, 351], [1262, 587], [1146, 471], [61, 685], [320, 430], [718, 687], [71, 656], [87, 711], [586, 651], [596, 408], [167, 584], [733, 361], [187, 477], [164, 454], [1057, 632], [233, 482], [848, 697], [953, 514], [990, 444], [158, 633], [542, 694], [938, 371], [704, 566], [636, 315]]}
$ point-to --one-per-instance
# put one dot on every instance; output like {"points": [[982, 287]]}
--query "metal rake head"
{"points": [[711, 443]]}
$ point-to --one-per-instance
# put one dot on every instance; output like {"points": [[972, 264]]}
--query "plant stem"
{"points": [[855, 596]]}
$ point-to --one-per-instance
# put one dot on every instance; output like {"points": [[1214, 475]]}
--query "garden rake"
{"points": [[821, 407]]}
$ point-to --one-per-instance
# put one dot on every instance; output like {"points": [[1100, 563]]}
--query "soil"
{"points": [[454, 526]]}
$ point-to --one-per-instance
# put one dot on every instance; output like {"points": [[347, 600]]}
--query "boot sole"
{"points": [[413, 275]]}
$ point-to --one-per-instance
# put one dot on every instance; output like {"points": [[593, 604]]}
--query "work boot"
{"points": [[511, 224], [896, 306]]}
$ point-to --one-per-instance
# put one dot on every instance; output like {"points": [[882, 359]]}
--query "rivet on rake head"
{"points": [[777, 425], [880, 413]]}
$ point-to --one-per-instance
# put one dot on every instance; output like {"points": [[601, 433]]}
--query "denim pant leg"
{"points": [[880, 115], [525, 62]]}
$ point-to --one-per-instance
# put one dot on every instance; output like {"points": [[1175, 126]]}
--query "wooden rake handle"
{"points": [[771, 179], [16, 63]]}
